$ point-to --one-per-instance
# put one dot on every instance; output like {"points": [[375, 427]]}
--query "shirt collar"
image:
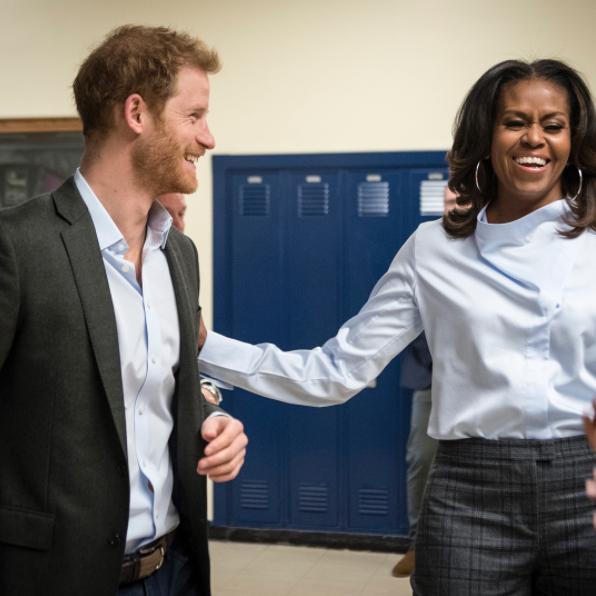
{"points": [[108, 234], [519, 231], [159, 224], [530, 248]]}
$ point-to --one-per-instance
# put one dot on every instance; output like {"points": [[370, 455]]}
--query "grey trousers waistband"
{"points": [[514, 449]]}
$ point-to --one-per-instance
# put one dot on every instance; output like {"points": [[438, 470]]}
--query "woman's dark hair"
{"points": [[473, 131]]}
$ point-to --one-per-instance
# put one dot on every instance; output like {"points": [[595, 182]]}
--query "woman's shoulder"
{"points": [[433, 231], [432, 244]]}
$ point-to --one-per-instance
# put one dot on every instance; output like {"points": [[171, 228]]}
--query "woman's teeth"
{"points": [[531, 161]]}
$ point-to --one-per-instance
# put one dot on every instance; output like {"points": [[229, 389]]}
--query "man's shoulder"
{"points": [[32, 215], [31, 207], [182, 243], [36, 225], [39, 208]]}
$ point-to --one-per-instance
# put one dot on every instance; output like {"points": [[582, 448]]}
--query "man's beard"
{"points": [[158, 165]]}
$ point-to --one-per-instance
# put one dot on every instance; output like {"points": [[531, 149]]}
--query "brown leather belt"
{"points": [[147, 560]]}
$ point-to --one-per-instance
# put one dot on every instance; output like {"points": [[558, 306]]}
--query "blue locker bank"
{"points": [[300, 240]]}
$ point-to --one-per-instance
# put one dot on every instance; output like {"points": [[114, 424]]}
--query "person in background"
{"points": [[504, 291], [175, 203], [106, 441], [416, 375]]}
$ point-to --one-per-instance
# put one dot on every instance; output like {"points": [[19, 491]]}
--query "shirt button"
{"points": [[152, 360], [140, 411], [148, 306], [125, 268]]}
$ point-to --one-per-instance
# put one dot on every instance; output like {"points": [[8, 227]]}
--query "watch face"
{"points": [[211, 393]]}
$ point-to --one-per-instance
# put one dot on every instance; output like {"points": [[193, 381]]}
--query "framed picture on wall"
{"points": [[36, 156]]}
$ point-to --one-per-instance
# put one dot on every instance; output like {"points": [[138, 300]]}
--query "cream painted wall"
{"points": [[302, 75]]}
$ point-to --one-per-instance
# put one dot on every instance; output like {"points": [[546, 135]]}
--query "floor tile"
{"points": [[283, 570]]}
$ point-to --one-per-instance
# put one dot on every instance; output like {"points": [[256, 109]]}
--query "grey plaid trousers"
{"points": [[507, 518]]}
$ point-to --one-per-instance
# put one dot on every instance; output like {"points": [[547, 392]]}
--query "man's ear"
{"points": [[135, 113]]}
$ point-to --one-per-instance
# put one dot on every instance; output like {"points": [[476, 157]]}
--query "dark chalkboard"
{"points": [[32, 163]]}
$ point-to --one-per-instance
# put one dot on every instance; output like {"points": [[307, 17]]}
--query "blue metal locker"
{"points": [[254, 230], [313, 286], [377, 224], [299, 243]]}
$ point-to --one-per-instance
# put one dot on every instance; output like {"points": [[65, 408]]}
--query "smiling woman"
{"points": [[530, 148], [504, 289], [524, 137]]}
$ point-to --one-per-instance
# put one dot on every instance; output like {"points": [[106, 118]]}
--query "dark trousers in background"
{"points": [[507, 517], [420, 452], [175, 578]]}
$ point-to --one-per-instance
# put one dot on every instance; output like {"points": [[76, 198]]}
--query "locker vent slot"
{"points": [[254, 494], [431, 197], [372, 501], [313, 199], [255, 200], [373, 199], [313, 498]]}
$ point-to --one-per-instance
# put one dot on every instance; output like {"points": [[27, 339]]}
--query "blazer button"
{"points": [[115, 540]]}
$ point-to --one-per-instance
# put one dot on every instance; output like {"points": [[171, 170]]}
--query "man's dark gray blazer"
{"points": [[64, 489]]}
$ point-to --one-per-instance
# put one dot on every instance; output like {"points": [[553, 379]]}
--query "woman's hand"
{"points": [[591, 490], [590, 426]]}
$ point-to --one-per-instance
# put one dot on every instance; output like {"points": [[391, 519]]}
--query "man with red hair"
{"points": [[102, 421]]}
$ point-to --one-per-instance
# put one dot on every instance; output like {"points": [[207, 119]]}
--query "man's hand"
{"points": [[590, 427], [226, 449]]}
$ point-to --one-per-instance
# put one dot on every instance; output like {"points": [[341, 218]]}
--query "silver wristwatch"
{"points": [[214, 395]]}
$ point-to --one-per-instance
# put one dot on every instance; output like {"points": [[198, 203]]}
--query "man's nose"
{"points": [[205, 138]]}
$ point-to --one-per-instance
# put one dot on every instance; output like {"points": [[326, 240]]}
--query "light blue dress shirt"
{"points": [[509, 314], [149, 342]]}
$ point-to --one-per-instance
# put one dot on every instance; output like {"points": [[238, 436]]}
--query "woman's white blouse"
{"points": [[510, 318]]}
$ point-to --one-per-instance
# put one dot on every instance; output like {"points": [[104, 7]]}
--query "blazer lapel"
{"points": [[186, 444], [187, 314], [80, 241]]}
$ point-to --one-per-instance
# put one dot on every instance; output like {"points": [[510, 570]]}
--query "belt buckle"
{"points": [[151, 562], [162, 552]]}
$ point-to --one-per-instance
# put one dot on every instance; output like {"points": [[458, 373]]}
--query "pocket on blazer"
{"points": [[26, 528]]}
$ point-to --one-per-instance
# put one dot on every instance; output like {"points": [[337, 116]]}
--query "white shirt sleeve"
{"points": [[344, 365]]}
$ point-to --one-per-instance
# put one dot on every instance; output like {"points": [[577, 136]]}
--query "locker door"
{"points": [[298, 248], [312, 298], [256, 307], [377, 421], [425, 193]]}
